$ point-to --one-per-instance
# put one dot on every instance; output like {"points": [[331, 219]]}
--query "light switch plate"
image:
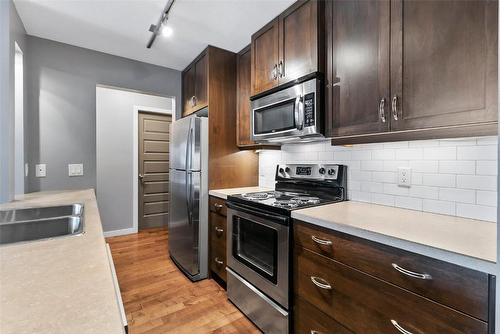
{"points": [[75, 169], [404, 176], [41, 170]]}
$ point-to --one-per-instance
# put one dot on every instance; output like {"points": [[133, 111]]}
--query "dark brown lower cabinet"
{"points": [[360, 296], [217, 233]]}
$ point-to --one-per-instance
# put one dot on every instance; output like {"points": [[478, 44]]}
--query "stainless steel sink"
{"points": [[16, 215], [40, 223]]}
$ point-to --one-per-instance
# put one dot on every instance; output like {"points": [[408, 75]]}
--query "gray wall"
{"points": [[61, 101], [12, 30], [115, 154]]}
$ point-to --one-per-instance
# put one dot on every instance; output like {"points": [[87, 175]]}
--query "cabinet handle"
{"points": [[399, 328], [381, 110], [281, 69], [411, 273], [193, 103], [218, 206], [320, 241], [218, 230], [395, 107], [321, 283], [315, 332], [218, 261], [274, 72]]}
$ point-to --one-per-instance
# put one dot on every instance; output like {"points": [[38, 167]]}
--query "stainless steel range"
{"points": [[259, 234]]}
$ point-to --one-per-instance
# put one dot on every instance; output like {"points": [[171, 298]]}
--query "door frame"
{"points": [[135, 169]]}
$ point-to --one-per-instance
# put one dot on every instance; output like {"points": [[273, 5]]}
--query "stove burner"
{"points": [[306, 199], [259, 196], [286, 204]]}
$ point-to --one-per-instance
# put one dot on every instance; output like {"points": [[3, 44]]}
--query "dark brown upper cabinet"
{"points": [[289, 47], [195, 85], [358, 67], [444, 63], [243, 83], [405, 70]]}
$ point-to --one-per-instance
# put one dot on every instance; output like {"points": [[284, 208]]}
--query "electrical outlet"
{"points": [[75, 169], [404, 176], [41, 170]]}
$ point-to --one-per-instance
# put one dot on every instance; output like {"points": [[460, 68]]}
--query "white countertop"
{"points": [[466, 242], [223, 193], [59, 285]]}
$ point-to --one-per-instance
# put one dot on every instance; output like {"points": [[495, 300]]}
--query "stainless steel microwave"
{"points": [[290, 114]]}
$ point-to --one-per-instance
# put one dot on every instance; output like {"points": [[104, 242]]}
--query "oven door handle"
{"points": [[256, 212]]}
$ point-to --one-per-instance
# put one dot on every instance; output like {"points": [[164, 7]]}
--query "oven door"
{"points": [[287, 114], [258, 249]]}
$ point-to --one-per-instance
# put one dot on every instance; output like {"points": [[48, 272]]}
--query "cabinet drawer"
{"points": [[218, 230], [463, 289], [218, 205], [365, 304], [308, 319], [218, 262]]}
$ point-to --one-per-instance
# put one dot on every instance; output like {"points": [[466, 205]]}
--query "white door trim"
{"points": [[135, 174]]}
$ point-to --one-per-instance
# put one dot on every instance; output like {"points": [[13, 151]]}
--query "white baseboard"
{"points": [[120, 232]]}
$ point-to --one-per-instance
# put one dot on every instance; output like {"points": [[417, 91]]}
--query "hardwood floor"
{"points": [[158, 298]]}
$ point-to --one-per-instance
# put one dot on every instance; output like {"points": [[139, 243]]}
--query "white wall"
{"points": [[115, 136], [449, 176]]}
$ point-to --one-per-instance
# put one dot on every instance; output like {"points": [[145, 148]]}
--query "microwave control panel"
{"points": [[309, 110]]}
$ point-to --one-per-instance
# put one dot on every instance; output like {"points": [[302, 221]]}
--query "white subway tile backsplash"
{"points": [[439, 180], [373, 165], [478, 182], [409, 154], [449, 176], [424, 192], [486, 167], [477, 211], [486, 152], [457, 167], [441, 207], [440, 153], [411, 203], [488, 198], [457, 195], [425, 166]]}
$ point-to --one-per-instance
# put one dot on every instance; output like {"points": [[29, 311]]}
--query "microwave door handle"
{"points": [[299, 113]]}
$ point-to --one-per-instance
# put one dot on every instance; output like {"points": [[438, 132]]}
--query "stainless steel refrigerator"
{"points": [[188, 223]]}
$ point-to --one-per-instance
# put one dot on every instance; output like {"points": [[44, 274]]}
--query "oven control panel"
{"points": [[308, 171]]}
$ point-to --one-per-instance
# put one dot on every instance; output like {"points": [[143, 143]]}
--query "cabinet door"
{"points": [[265, 53], [188, 82], [444, 63], [201, 82], [243, 82], [299, 28], [358, 67]]}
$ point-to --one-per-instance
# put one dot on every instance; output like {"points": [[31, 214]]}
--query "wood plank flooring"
{"points": [[158, 298]]}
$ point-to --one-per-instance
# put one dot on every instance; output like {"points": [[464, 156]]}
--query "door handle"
{"points": [[299, 113], [141, 178], [395, 107], [381, 110]]}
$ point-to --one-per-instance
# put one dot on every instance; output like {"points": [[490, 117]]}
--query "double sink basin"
{"points": [[18, 225]]}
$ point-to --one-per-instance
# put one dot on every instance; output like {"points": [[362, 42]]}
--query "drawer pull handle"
{"points": [[399, 328], [218, 230], [321, 241], [218, 261], [321, 283], [411, 273], [218, 206], [315, 332]]}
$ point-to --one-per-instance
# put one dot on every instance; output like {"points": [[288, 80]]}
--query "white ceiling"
{"points": [[120, 27]]}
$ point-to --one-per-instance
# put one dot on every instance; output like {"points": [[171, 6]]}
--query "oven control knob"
{"points": [[287, 169], [322, 170], [281, 171], [331, 172]]}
